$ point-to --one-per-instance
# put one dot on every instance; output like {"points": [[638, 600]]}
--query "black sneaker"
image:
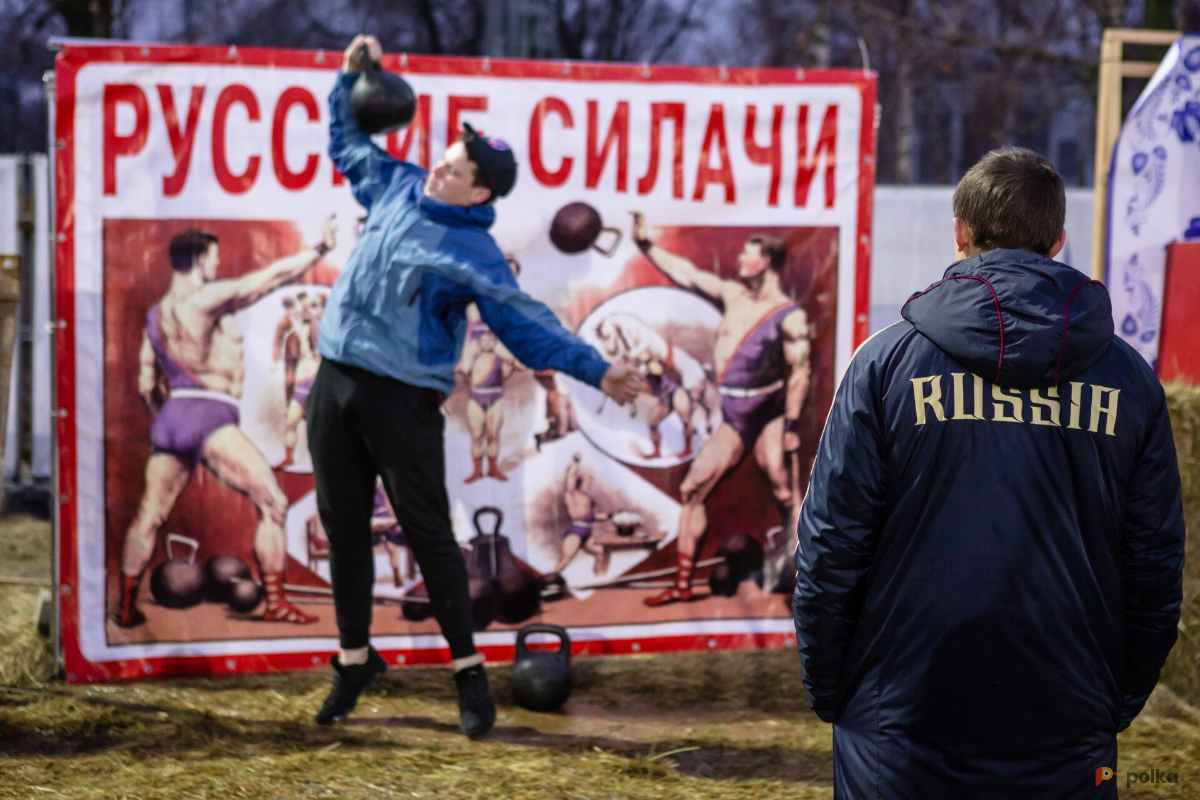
{"points": [[476, 711], [348, 683]]}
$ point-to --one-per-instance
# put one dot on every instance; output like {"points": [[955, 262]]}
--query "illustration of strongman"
{"points": [[674, 379], [761, 357], [191, 372], [386, 530], [301, 360], [484, 372], [581, 509]]}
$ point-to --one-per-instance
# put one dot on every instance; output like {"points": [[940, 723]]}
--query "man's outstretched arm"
{"points": [[228, 296], [677, 268], [531, 331], [839, 528]]}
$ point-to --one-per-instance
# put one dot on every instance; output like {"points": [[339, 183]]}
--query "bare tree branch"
{"points": [[425, 14], [684, 22]]}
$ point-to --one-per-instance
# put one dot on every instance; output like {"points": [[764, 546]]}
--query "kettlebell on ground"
{"points": [[244, 595], [178, 582], [220, 572], [541, 679]]}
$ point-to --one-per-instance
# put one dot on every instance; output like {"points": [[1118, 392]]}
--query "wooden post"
{"points": [[1113, 71], [10, 297]]}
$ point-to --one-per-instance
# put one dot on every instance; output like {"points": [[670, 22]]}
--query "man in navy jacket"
{"points": [[390, 339], [991, 550]]}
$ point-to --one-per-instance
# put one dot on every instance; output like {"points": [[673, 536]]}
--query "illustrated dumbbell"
{"points": [[738, 558], [743, 556]]}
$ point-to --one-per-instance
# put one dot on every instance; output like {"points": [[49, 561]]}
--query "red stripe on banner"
{"points": [[86, 671], [80, 54], [866, 208], [66, 69]]}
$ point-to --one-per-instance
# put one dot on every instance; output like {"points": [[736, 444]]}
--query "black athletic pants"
{"points": [[362, 425]]}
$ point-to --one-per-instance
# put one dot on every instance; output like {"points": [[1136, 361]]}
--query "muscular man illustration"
{"points": [[489, 365], [190, 376], [675, 380], [581, 509], [301, 361], [386, 530], [761, 357]]}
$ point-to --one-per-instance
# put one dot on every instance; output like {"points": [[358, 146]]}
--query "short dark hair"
{"points": [[480, 180], [186, 247], [771, 247], [1012, 198]]}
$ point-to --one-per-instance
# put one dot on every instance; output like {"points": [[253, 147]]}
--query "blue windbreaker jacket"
{"points": [[991, 549], [399, 307]]}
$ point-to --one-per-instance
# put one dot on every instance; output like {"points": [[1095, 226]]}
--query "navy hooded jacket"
{"points": [[991, 549]]}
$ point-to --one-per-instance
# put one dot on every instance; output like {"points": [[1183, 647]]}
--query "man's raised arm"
{"points": [[368, 166], [677, 268], [572, 473]]}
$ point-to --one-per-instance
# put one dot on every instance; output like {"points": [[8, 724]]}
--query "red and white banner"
{"points": [[152, 142]]}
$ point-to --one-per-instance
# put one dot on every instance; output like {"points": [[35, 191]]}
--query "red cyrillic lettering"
{"points": [[658, 112], [772, 154], [723, 172], [181, 140], [618, 131], [292, 96], [234, 184], [543, 175], [456, 104], [115, 145], [826, 143], [419, 127], [338, 178]]}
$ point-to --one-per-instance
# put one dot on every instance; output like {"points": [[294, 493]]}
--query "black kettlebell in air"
{"points": [[541, 679], [178, 582], [380, 101]]}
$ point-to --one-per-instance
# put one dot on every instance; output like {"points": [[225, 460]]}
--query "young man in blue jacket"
{"points": [[991, 550], [390, 339]]}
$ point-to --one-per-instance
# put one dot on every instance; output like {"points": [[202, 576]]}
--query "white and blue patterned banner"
{"points": [[1154, 193]]}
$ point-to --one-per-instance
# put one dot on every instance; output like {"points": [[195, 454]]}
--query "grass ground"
{"points": [[697, 725]]}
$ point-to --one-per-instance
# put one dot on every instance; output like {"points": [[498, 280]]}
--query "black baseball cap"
{"points": [[494, 159]]}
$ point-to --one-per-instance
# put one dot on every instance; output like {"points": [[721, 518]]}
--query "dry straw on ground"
{"points": [[730, 726]]}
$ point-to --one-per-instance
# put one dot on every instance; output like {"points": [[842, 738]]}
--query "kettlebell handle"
{"points": [[607, 251], [364, 60], [544, 627], [176, 537], [495, 512]]}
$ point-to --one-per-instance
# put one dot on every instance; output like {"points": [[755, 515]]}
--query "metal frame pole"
{"points": [[48, 84]]}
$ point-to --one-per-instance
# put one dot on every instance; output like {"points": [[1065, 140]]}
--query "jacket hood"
{"points": [[1015, 318], [480, 216]]}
